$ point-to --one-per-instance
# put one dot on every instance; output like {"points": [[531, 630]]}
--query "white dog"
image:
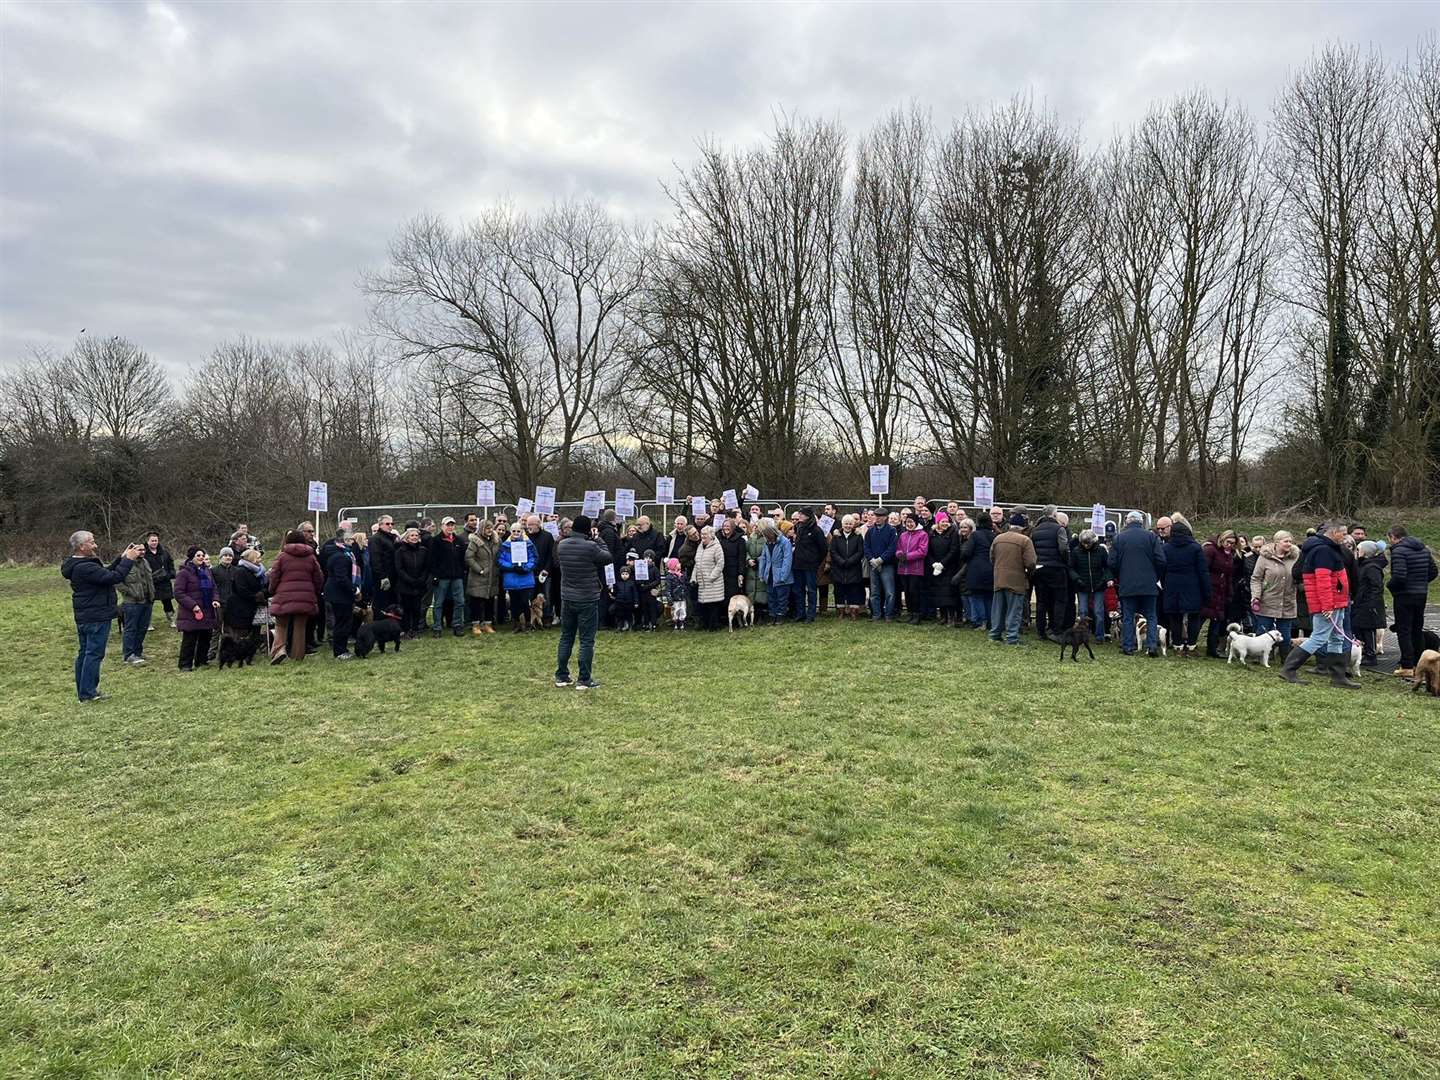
{"points": [[741, 607], [1247, 647], [1142, 624], [1357, 653]]}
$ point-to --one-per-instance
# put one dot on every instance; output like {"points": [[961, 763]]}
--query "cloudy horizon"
{"points": [[184, 174]]}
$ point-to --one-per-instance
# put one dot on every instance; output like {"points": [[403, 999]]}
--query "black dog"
{"points": [[382, 630], [1429, 639], [238, 653], [1073, 638]]}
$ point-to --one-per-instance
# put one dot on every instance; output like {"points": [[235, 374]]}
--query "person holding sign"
{"points": [[580, 558], [517, 574]]}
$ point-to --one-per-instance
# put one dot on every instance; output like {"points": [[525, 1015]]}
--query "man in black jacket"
{"points": [[447, 567], [92, 598], [580, 559], [647, 539], [810, 547], [544, 563], [732, 542], [1052, 575], [1412, 568], [382, 563]]}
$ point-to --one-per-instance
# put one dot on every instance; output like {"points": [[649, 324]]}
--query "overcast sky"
{"points": [[180, 174]]}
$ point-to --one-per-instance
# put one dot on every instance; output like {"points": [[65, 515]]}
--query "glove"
{"points": [[544, 576], [875, 562], [385, 584], [935, 568]]}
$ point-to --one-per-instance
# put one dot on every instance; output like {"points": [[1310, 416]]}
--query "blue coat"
{"points": [[92, 586], [1187, 574], [880, 543], [518, 577], [1137, 561], [776, 562]]}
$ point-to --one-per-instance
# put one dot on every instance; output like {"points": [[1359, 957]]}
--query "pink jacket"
{"points": [[910, 551]]}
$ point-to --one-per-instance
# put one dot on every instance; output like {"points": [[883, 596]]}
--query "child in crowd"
{"points": [[625, 599], [677, 591]]}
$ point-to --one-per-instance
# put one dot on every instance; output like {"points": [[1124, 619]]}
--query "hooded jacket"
{"points": [[480, 557], [92, 586], [709, 572], [295, 581], [1272, 585], [1089, 568], [911, 549], [810, 545], [138, 587], [1327, 586], [1187, 577]]}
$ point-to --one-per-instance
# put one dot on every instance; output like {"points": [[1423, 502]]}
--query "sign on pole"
{"points": [[523, 506], [544, 500], [984, 492], [665, 490], [751, 493], [594, 503], [319, 500], [879, 479], [1097, 518], [625, 502], [485, 493]]}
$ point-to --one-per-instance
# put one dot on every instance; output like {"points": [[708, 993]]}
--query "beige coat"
{"points": [[709, 573], [1272, 585], [1013, 557]]}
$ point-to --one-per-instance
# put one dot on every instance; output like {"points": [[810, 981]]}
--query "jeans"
{"points": [[806, 594], [1326, 636], [882, 592], [1093, 605], [779, 597], [93, 638], [977, 608], [1265, 623], [453, 587], [577, 616], [1130, 606], [135, 620], [1409, 624], [1006, 608]]}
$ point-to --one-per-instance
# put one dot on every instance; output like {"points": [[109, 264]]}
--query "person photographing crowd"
{"points": [[582, 558]]}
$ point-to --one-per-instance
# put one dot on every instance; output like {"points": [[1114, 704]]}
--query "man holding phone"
{"points": [[92, 596]]}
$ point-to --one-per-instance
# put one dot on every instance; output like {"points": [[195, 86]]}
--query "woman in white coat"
{"points": [[709, 579]]}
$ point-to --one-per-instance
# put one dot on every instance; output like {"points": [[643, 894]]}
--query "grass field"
{"points": [[848, 851]]}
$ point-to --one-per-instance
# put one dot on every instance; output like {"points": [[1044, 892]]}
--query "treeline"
{"points": [[1207, 312]]}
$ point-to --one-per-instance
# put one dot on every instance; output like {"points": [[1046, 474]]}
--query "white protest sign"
{"points": [[609, 573], [879, 479], [984, 492], [665, 490], [826, 523], [699, 505], [1097, 517], [319, 496], [523, 506], [751, 495], [544, 500], [625, 502], [518, 554], [484, 492], [553, 528], [729, 499], [642, 571], [594, 503]]}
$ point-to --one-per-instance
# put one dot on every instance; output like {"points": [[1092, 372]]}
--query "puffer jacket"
{"points": [[480, 559], [1412, 568], [92, 586], [1089, 568], [1369, 610], [979, 573], [754, 582], [517, 575], [1052, 544], [847, 558], [911, 551], [190, 585], [1327, 586], [412, 568], [709, 572], [1272, 585], [296, 581], [810, 545]]}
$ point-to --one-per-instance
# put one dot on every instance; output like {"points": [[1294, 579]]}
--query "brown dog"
{"points": [[537, 610], [1427, 672]]}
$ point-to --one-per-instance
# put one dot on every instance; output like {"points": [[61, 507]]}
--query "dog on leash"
{"points": [[740, 608], [1073, 638], [1142, 624], [239, 653], [1427, 673], [537, 611], [384, 630], [1247, 647]]}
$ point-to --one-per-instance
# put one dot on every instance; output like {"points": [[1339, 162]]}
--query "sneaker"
{"points": [[97, 697], [587, 684], [278, 658], [1404, 673], [564, 680], [137, 661], [345, 656]]}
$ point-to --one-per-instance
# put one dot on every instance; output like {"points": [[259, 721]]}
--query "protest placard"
{"points": [[518, 554], [484, 492], [625, 502], [319, 496], [544, 500], [879, 479], [594, 503], [665, 490], [984, 492], [728, 499]]}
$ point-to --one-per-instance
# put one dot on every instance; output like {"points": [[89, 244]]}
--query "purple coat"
{"points": [[910, 551], [188, 596]]}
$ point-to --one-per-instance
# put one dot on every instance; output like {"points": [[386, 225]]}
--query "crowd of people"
{"points": [[998, 572]]}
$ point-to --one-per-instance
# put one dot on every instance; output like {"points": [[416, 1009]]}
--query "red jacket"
{"points": [[1327, 586], [296, 581]]}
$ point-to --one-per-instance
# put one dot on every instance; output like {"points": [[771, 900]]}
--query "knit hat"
{"points": [[632, 555], [227, 551], [581, 525], [1018, 520], [190, 551], [672, 565], [942, 516]]}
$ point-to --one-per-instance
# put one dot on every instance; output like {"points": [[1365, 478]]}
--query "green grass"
{"points": [[847, 851]]}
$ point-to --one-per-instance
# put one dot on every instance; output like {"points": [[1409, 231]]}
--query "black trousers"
{"points": [[1409, 624], [410, 612], [1052, 597], [1184, 628], [342, 617], [194, 649]]}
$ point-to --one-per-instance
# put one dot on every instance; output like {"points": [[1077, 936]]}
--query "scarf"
{"points": [[207, 587], [254, 568]]}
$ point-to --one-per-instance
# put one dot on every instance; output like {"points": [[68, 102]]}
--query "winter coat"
{"points": [[579, 560], [734, 548], [775, 562], [412, 569], [92, 586], [1137, 561], [1412, 567], [979, 574], [224, 577], [339, 588], [1187, 577], [627, 593], [1273, 585], [447, 557], [754, 582], [1052, 545], [810, 546], [138, 587], [544, 545], [677, 591], [1240, 589], [880, 543], [673, 546], [1369, 610], [480, 557], [945, 550], [1089, 568], [686, 555], [162, 572], [190, 593], [1221, 564], [1322, 568], [847, 558], [295, 581], [709, 572], [649, 540], [911, 550], [513, 575], [1012, 559], [382, 556], [246, 595]]}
